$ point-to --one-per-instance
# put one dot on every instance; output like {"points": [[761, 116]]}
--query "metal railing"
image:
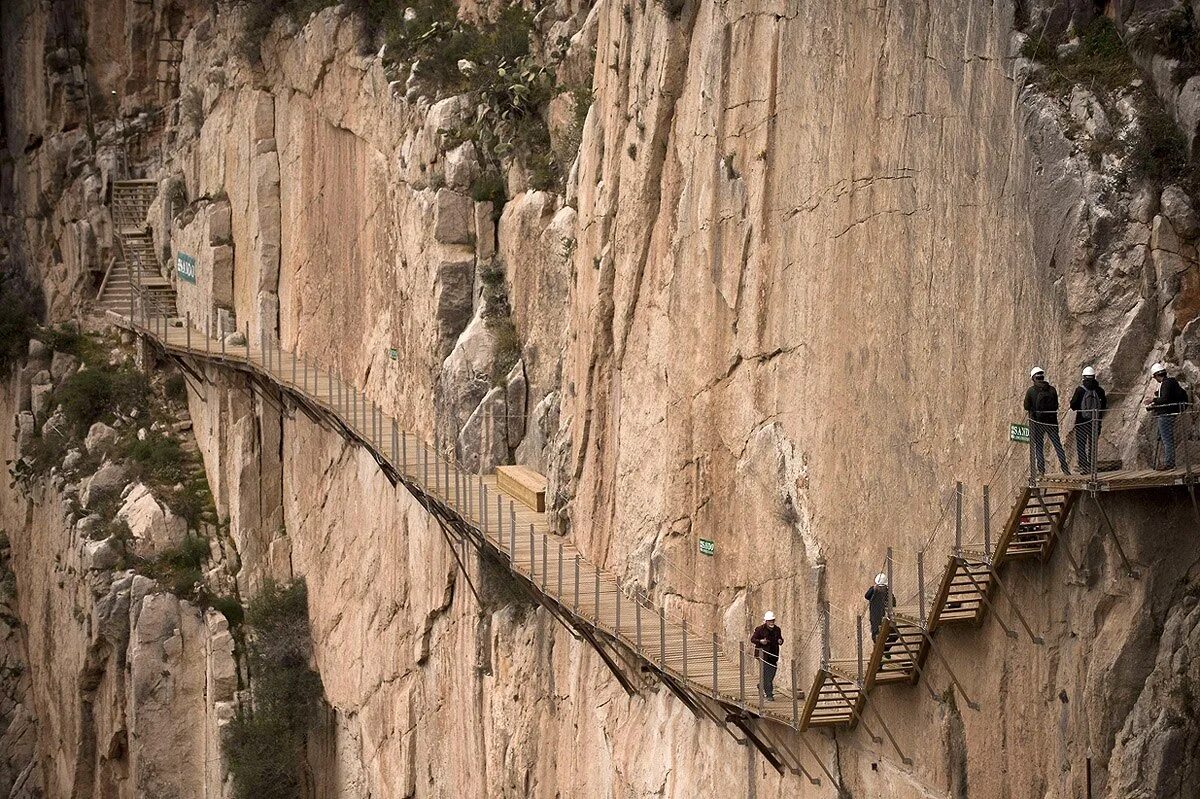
{"points": [[705, 659]]}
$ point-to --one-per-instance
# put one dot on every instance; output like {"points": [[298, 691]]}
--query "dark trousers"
{"points": [[1166, 431], [1040, 431], [1083, 443], [770, 665]]}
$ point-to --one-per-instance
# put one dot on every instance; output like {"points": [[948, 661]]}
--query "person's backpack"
{"points": [[1090, 406], [1045, 401]]}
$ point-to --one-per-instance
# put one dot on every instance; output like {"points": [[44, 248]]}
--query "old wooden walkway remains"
{"points": [[714, 677]]}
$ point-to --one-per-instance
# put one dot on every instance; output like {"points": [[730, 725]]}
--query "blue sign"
{"points": [[185, 267]]}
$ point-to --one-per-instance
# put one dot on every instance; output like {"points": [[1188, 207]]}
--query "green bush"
{"points": [[158, 459], [1101, 61], [175, 389], [265, 743], [96, 394]]}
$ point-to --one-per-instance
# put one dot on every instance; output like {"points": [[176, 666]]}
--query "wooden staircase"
{"points": [[136, 264]]}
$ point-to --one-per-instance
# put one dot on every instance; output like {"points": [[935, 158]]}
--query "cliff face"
{"points": [[785, 297]]}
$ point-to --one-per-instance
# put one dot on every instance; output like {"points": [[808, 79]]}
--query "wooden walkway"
{"points": [[714, 677]]}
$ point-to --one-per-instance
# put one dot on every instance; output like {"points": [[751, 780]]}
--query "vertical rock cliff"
{"points": [[768, 274]]}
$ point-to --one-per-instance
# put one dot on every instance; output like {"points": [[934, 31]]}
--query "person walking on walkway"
{"points": [[879, 597], [1089, 403], [1170, 401], [1041, 403], [766, 639]]}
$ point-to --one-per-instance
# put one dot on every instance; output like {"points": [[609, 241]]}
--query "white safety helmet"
{"points": [[769, 616], [1157, 368], [881, 579], [1035, 371], [1089, 371]]}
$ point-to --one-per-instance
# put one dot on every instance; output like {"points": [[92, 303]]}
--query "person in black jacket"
{"points": [[879, 597], [1170, 401], [1089, 403], [766, 639], [1041, 403]]}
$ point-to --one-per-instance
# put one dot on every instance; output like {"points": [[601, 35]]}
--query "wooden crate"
{"points": [[524, 485]]}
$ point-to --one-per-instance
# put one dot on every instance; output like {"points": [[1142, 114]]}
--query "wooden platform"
{"points": [[524, 484], [1122, 480]]}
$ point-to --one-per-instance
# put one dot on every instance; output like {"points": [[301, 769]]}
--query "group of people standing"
{"points": [[1089, 402]]}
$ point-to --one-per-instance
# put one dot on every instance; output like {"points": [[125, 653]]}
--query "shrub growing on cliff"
{"points": [[265, 743]]}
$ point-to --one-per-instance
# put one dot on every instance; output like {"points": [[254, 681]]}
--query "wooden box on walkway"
{"points": [[524, 485]]}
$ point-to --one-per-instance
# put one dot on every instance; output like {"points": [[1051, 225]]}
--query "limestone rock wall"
{"points": [[788, 295]]}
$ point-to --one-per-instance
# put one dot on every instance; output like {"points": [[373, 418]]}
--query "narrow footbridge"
{"points": [[714, 677]]}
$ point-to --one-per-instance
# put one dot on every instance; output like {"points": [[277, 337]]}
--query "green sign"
{"points": [[393, 353], [707, 547], [185, 267], [1018, 433]]}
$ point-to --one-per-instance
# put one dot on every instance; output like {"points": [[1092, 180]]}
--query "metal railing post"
{"points": [[637, 623], [859, 633], [987, 522], [483, 512], [742, 672], [716, 692], [560, 584], [685, 652], [921, 585], [825, 635], [958, 506], [395, 442], [222, 336], [575, 604], [404, 468], [532, 574], [293, 367], [512, 524], [617, 619], [424, 465], [891, 597], [189, 331], [208, 333], [597, 577], [795, 697], [1094, 452], [1032, 458], [437, 457], [662, 640], [246, 337]]}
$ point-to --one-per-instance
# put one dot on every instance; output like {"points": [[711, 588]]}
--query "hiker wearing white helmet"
{"points": [[1170, 401], [879, 596], [1041, 404], [766, 639], [1089, 403]]}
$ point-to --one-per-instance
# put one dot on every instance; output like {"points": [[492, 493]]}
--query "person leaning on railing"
{"points": [[1166, 405], [1089, 403], [1041, 403]]}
